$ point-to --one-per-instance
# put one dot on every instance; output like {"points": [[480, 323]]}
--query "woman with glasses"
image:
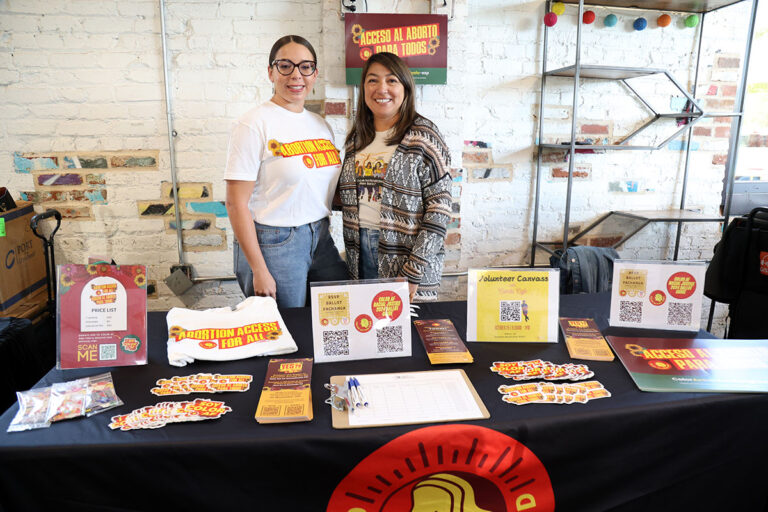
{"points": [[282, 169], [395, 184]]}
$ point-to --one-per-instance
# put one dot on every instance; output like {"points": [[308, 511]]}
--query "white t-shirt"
{"points": [[371, 164], [292, 159]]}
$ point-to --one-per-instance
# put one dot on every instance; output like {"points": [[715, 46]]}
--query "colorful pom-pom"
{"points": [[640, 24], [664, 20], [588, 17], [550, 19], [610, 20], [691, 21], [558, 8]]}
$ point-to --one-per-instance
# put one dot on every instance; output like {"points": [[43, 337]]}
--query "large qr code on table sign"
{"points": [[108, 352], [336, 343], [679, 313], [510, 311], [389, 339], [630, 311]]}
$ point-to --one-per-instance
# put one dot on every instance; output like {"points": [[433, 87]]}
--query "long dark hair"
{"points": [[363, 131], [290, 39]]}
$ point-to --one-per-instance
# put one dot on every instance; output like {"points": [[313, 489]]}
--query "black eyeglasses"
{"points": [[285, 66]]}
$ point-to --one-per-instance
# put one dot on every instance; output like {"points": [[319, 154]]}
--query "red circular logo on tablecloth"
{"points": [[387, 304], [681, 285], [363, 323], [447, 467], [657, 297], [365, 53]]}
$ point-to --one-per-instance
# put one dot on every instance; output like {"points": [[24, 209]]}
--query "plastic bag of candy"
{"points": [[101, 395], [33, 410], [67, 400]]}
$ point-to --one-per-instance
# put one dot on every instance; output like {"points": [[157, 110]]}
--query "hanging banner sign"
{"points": [[419, 39]]}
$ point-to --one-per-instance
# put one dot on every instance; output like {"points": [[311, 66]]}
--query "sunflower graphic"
{"points": [[356, 39], [357, 29], [274, 335], [434, 42], [275, 147], [92, 269], [66, 280], [175, 331], [140, 280]]}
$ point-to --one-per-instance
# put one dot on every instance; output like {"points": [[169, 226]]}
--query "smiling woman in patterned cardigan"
{"points": [[395, 184]]}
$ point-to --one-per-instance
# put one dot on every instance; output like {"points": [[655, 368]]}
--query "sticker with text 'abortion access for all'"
{"points": [[657, 295], [366, 319]]}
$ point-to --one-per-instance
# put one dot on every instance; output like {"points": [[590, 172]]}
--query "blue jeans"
{"points": [[369, 253], [295, 256]]}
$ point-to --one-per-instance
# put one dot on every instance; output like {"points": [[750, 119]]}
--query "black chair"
{"points": [[738, 276]]}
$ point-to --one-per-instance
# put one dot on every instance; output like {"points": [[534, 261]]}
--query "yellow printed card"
{"points": [[514, 305]]}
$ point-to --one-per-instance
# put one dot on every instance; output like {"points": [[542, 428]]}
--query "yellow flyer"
{"points": [[513, 305]]}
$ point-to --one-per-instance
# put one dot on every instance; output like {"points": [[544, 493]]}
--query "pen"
{"points": [[351, 389], [359, 390]]}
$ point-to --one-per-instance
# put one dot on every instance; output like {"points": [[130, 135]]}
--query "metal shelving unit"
{"points": [[577, 71]]}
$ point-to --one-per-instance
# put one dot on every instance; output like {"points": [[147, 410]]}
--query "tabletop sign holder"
{"points": [[396, 392], [368, 319], [513, 305], [657, 295], [101, 315]]}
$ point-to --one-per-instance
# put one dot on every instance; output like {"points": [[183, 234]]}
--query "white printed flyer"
{"points": [[367, 319], [657, 295]]}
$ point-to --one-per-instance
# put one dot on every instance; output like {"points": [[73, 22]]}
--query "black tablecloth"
{"points": [[633, 451]]}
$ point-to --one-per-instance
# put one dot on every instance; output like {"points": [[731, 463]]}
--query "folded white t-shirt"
{"points": [[253, 328]]}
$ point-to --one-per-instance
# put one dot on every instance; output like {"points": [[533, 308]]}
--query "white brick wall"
{"points": [[87, 75]]}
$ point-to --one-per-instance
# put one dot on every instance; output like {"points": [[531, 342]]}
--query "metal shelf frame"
{"points": [[623, 74]]}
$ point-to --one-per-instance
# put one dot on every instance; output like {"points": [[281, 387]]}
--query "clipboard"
{"points": [[340, 419]]}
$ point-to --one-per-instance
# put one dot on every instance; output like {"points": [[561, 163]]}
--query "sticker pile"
{"points": [[202, 383], [551, 393], [39, 407], [539, 369], [159, 415]]}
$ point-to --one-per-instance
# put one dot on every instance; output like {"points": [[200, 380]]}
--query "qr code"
{"points": [[389, 339], [270, 410], [294, 410], [336, 343], [679, 313], [630, 311], [510, 311], [107, 352]]}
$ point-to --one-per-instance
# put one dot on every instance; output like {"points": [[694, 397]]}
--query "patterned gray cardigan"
{"points": [[415, 209]]}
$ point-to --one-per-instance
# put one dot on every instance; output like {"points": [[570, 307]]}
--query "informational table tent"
{"points": [[368, 319], [101, 315], [513, 305], [657, 295]]}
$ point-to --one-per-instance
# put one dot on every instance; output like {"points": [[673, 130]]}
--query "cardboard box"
{"points": [[22, 261]]}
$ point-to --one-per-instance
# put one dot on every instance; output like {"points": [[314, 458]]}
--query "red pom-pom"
{"points": [[550, 19], [588, 17], [664, 20]]}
